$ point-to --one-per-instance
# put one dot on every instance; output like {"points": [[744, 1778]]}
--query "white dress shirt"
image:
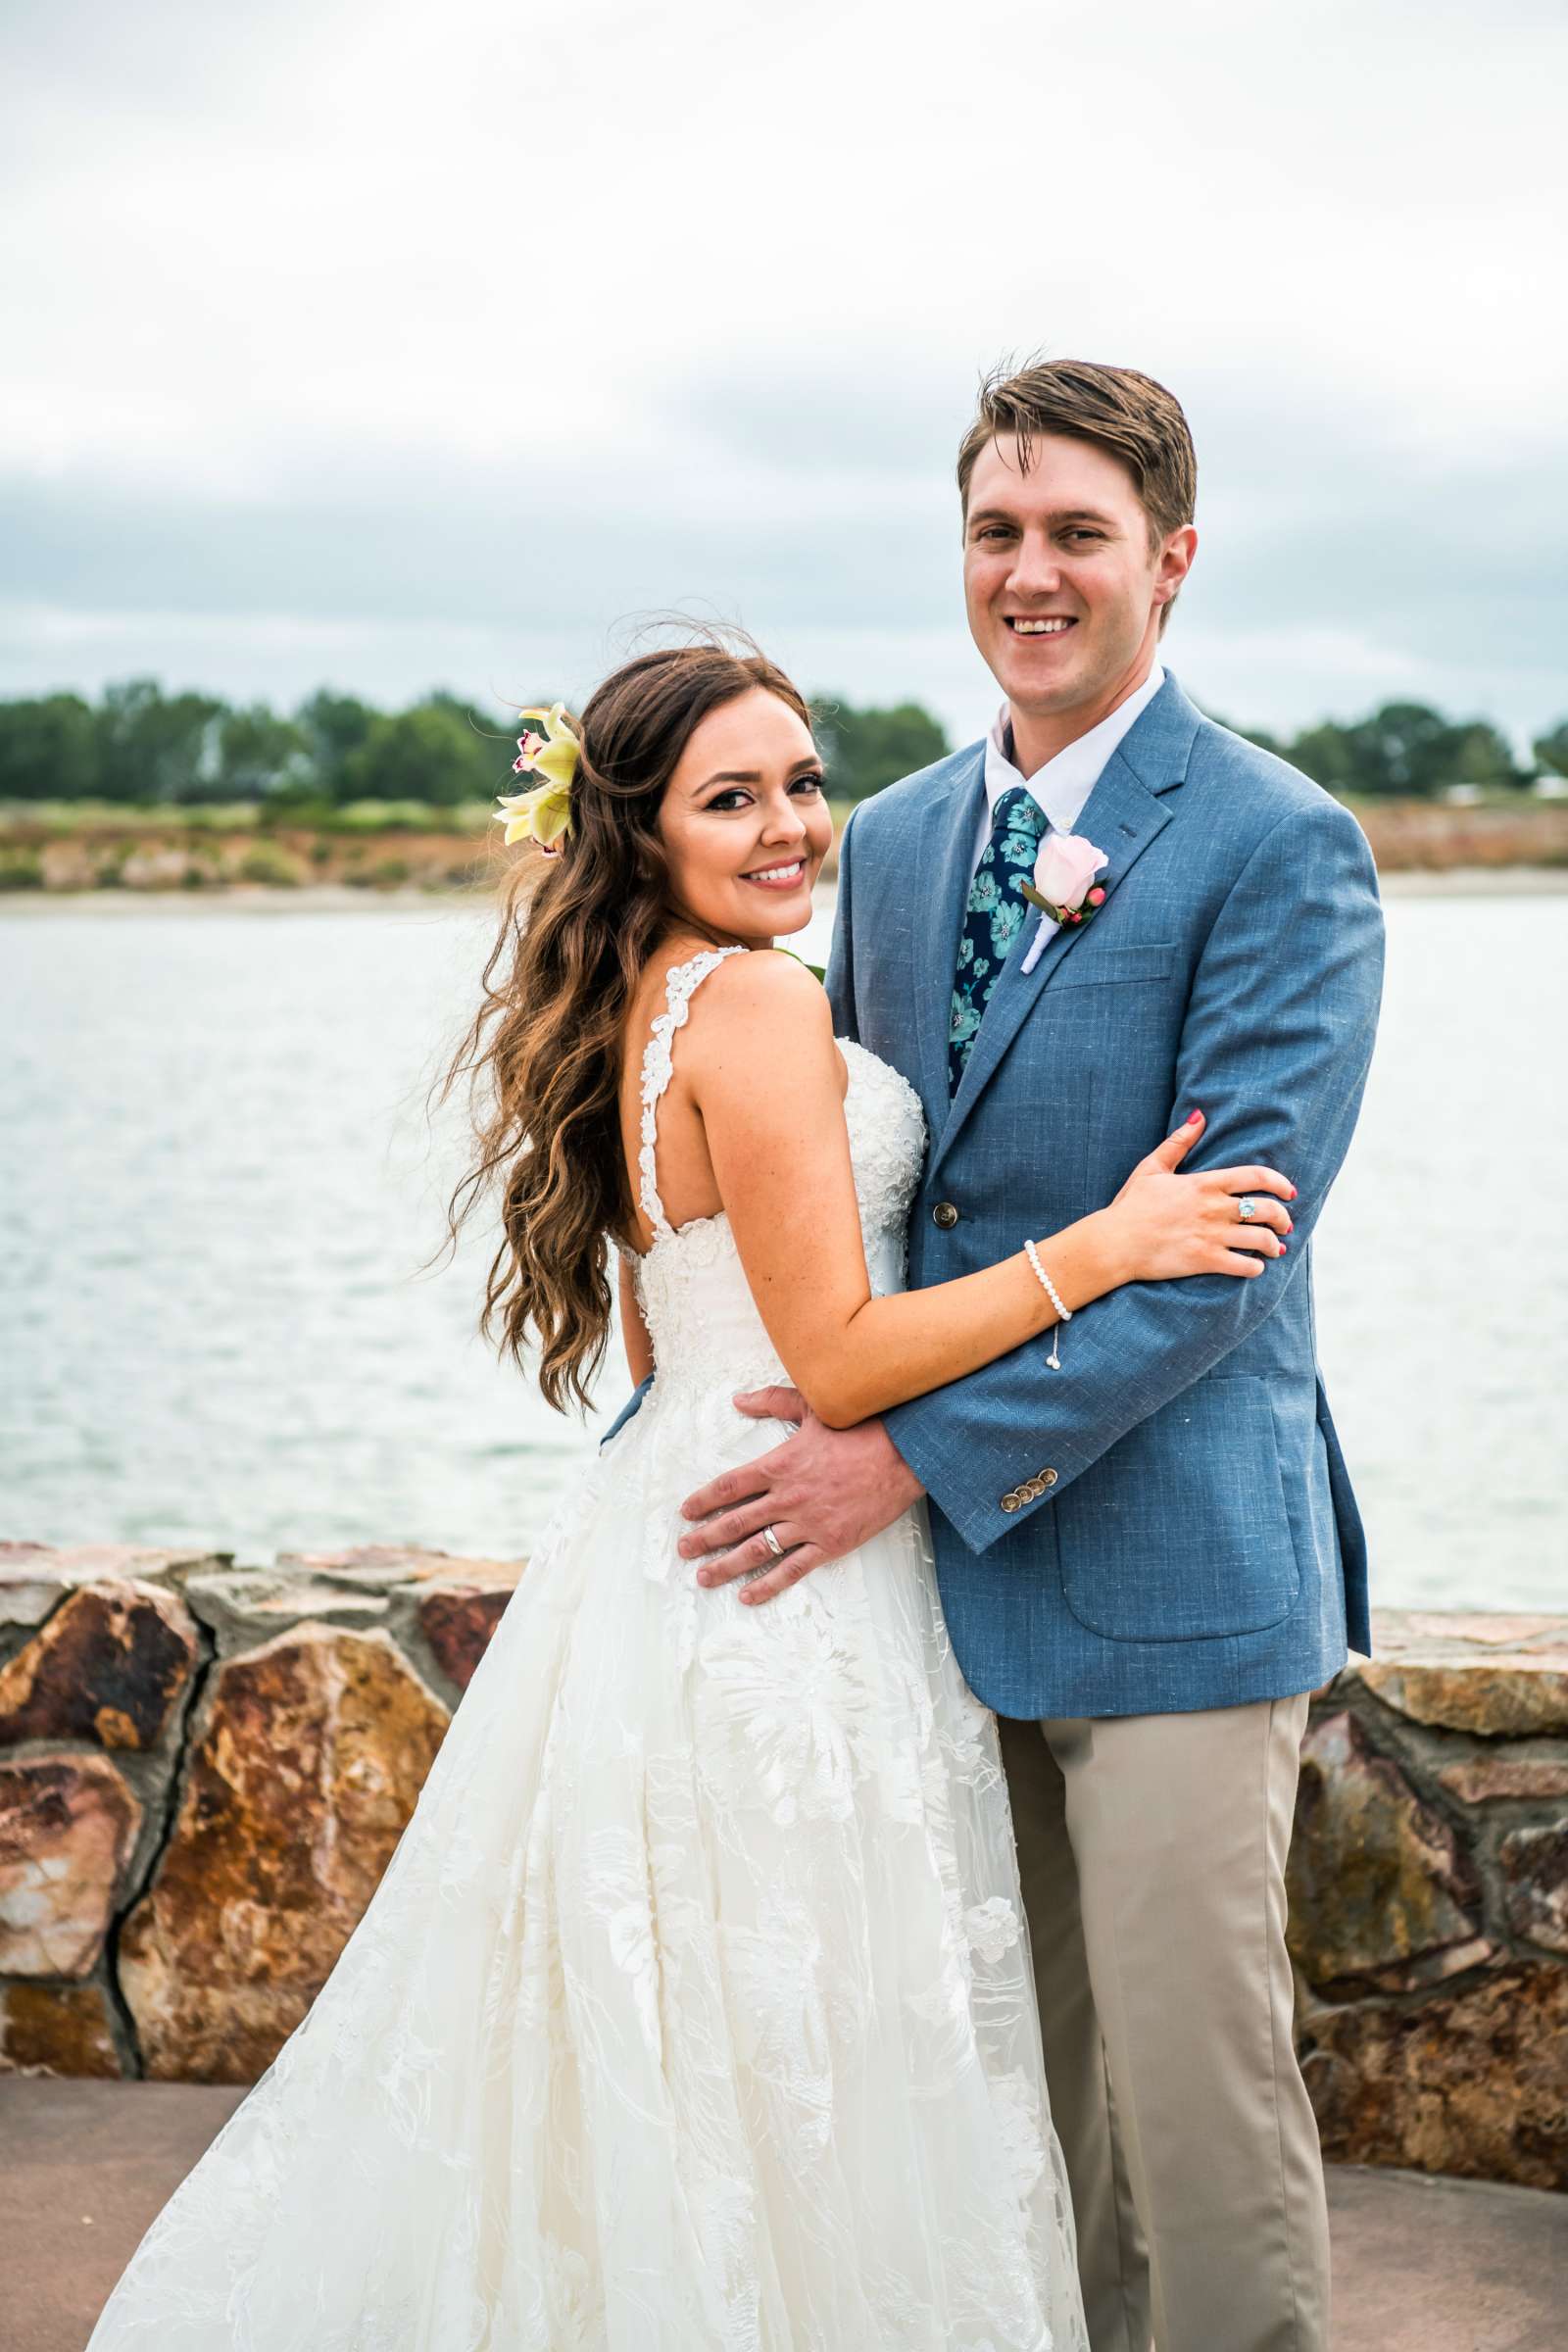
{"points": [[1063, 785]]}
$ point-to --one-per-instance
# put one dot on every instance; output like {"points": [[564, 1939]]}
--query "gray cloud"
{"points": [[366, 345]]}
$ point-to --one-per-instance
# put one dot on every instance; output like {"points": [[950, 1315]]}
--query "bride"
{"points": [[694, 2008]]}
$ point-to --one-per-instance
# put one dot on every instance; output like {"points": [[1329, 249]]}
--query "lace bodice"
{"points": [[690, 1285]]}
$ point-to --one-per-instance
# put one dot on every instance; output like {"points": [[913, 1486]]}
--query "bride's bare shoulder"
{"points": [[766, 978], [765, 1001]]}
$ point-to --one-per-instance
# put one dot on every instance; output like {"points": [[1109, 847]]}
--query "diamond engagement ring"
{"points": [[1247, 1209], [773, 1543]]}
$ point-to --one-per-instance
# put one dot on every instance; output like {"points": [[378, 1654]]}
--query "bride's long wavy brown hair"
{"points": [[543, 1054]]}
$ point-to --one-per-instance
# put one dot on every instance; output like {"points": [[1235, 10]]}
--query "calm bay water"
{"points": [[218, 1184]]}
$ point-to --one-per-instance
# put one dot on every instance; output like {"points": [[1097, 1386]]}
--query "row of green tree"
{"points": [[139, 746], [1408, 751]]}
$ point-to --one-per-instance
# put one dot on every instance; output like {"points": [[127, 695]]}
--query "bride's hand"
{"points": [[1167, 1225]]}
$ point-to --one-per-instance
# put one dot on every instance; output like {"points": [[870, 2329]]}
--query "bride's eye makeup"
{"points": [[737, 797]]}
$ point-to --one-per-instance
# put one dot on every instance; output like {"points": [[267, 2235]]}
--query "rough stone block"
{"points": [[1472, 2080], [57, 2029], [1534, 1875], [1479, 1779], [1379, 1886], [458, 1617], [67, 1829], [110, 1664], [384, 1565], [244, 1607], [305, 1766], [1428, 1667], [35, 1577]]}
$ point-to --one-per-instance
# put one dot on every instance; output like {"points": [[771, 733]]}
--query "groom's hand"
{"points": [[822, 1492]]}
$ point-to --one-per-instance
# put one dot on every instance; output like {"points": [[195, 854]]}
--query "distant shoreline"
{"points": [[158, 856], [337, 898]]}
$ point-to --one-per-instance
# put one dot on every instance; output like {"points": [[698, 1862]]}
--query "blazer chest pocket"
{"points": [[1096, 966]]}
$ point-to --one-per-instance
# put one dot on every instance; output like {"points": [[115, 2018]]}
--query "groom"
{"points": [[1150, 1557]]}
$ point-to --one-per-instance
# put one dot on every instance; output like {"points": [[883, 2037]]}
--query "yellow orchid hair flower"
{"points": [[543, 815]]}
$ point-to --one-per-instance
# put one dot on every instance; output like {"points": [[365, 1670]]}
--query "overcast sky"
{"points": [[394, 345]]}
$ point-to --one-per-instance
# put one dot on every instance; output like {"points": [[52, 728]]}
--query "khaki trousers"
{"points": [[1151, 1853]]}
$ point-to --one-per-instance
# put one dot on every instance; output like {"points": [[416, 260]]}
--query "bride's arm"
{"points": [[766, 1078]]}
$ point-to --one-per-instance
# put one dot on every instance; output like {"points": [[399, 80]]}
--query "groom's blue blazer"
{"points": [[1166, 1522]]}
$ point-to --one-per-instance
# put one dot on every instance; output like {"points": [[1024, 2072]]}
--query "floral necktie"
{"points": [[993, 917]]}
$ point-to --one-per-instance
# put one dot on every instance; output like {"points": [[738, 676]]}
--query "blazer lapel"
{"points": [[1122, 816], [940, 890]]}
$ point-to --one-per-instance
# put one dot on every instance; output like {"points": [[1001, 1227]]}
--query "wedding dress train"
{"points": [[693, 2009]]}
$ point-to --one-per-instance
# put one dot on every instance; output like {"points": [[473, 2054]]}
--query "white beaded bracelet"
{"points": [[1063, 1313]]}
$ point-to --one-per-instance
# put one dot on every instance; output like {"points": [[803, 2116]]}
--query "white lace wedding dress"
{"points": [[693, 2009]]}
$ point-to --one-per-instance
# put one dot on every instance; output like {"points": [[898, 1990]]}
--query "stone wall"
{"points": [[1429, 1899], [203, 1772], [203, 1769]]}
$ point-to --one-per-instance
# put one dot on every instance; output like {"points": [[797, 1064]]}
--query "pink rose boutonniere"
{"points": [[1064, 888]]}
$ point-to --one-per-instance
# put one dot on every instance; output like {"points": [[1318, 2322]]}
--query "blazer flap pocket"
{"points": [[1096, 963]]}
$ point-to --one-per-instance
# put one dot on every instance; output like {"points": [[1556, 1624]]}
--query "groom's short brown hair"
{"points": [[1127, 414]]}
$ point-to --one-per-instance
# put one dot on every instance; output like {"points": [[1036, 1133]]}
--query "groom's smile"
{"points": [[1064, 581]]}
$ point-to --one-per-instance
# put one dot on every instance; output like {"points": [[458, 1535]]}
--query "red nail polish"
{"points": [[1292, 1192], [1289, 1228], [1193, 1117], [1284, 1246]]}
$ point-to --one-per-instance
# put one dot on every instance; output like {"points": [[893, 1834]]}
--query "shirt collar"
{"points": [[1063, 785]]}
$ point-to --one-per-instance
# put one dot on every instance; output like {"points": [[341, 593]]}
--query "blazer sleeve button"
{"points": [[945, 1214], [1009, 1503], [1048, 1478]]}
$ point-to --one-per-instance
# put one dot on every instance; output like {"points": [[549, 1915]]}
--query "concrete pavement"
{"points": [[1421, 2265]]}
